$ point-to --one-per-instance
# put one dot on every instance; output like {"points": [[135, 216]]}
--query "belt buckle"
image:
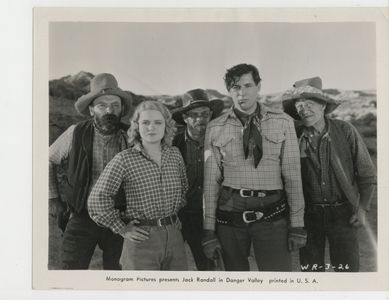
{"points": [[159, 223], [258, 216], [241, 191]]}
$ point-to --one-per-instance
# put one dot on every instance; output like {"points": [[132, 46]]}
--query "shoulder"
{"points": [[220, 120], [178, 138], [344, 126], [276, 114]]}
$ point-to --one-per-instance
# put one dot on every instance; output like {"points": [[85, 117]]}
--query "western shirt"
{"points": [[225, 164]]}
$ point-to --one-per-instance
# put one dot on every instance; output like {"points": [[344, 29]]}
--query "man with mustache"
{"points": [[195, 115], [339, 178], [252, 183], [87, 147]]}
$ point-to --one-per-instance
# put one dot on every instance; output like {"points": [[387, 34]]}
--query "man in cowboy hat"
{"points": [[87, 147], [252, 183], [338, 176], [195, 115]]}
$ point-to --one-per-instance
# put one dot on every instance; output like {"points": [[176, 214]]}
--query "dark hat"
{"points": [[310, 88], [102, 84], [197, 98]]}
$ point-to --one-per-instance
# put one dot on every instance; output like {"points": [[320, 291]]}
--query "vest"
{"points": [[79, 169]]}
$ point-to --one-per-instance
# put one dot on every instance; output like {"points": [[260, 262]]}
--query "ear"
{"points": [[91, 111]]}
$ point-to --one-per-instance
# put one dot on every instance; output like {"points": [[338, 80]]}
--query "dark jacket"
{"points": [[349, 159], [79, 170]]}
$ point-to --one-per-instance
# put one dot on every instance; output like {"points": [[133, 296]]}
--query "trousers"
{"points": [[80, 239], [330, 223], [164, 250], [269, 239], [192, 230]]}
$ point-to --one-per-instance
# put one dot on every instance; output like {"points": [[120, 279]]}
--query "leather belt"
{"points": [[170, 220], [333, 204], [272, 212], [245, 193]]}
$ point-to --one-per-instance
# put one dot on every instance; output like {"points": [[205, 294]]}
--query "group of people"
{"points": [[247, 178]]}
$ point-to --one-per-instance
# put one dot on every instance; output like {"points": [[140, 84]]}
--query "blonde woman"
{"points": [[153, 176]]}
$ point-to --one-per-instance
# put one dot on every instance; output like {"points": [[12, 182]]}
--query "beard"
{"points": [[107, 124]]}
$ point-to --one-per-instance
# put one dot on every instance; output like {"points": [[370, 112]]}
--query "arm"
{"points": [[291, 175], [100, 202], [212, 179], [58, 152], [365, 173], [184, 179]]}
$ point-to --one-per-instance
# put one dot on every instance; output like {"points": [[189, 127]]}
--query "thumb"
{"points": [[134, 222]]}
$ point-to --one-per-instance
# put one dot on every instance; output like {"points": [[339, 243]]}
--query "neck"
{"points": [[151, 147], [248, 112], [319, 125], [198, 137]]}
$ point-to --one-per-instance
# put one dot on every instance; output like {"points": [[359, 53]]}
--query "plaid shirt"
{"points": [[151, 192], [105, 147], [319, 180], [279, 168]]}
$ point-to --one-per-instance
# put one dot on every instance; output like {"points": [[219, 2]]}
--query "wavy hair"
{"points": [[170, 125], [233, 74]]}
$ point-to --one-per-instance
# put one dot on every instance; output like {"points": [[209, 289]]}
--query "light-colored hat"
{"points": [[102, 84], [310, 88], [197, 98]]}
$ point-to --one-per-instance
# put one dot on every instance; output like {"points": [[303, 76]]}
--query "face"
{"points": [[106, 111], [151, 126], [310, 111], [197, 119], [244, 93]]}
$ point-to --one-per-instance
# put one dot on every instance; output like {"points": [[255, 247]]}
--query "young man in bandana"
{"points": [[252, 182], [88, 147]]}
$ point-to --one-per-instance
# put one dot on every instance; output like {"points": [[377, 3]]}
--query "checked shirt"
{"points": [[279, 168], [151, 192]]}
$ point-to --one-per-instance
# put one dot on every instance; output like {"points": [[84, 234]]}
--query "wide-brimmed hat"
{"points": [[310, 88], [197, 98], [102, 84]]}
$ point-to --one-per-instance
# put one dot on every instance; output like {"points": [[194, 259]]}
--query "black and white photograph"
{"points": [[237, 148]]}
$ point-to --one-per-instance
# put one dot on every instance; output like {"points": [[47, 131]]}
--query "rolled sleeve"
{"points": [[291, 175], [100, 202], [58, 152]]}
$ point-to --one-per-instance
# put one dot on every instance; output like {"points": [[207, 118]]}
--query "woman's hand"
{"points": [[134, 233]]}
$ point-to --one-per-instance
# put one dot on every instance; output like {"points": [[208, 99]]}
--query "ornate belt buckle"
{"points": [[258, 216]]}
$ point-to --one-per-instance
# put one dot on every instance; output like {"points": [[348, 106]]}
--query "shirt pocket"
{"points": [[230, 149], [272, 144]]}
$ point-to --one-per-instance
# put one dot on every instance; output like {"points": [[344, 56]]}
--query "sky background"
{"points": [[171, 58]]}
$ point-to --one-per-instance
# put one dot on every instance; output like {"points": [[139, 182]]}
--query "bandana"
{"points": [[252, 137]]}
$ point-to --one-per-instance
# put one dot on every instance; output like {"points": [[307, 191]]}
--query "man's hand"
{"points": [[134, 233], [297, 238], [359, 218], [210, 244], [57, 207]]}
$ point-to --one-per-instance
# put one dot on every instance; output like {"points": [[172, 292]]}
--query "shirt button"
{"points": [[325, 199], [324, 183]]}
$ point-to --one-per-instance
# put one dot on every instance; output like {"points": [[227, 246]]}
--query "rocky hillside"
{"points": [[358, 107]]}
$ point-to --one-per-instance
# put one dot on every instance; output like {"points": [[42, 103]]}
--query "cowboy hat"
{"points": [[310, 88], [102, 84], [197, 98]]}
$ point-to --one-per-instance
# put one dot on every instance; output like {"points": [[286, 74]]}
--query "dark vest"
{"points": [[180, 143], [79, 169]]}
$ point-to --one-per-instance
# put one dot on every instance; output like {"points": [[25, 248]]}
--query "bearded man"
{"points": [[87, 147]]}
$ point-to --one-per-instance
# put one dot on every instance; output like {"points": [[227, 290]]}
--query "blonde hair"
{"points": [[170, 125]]}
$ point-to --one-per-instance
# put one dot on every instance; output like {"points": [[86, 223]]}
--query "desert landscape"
{"points": [[357, 107]]}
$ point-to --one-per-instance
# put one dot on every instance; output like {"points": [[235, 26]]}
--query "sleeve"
{"points": [[291, 175], [58, 152], [101, 206], [212, 179], [365, 170], [184, 179]]}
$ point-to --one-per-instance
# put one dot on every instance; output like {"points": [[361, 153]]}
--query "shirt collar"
{"points": [[264, 110]]}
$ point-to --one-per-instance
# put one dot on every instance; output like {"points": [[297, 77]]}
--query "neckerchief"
{"points": [[251, 134]]}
